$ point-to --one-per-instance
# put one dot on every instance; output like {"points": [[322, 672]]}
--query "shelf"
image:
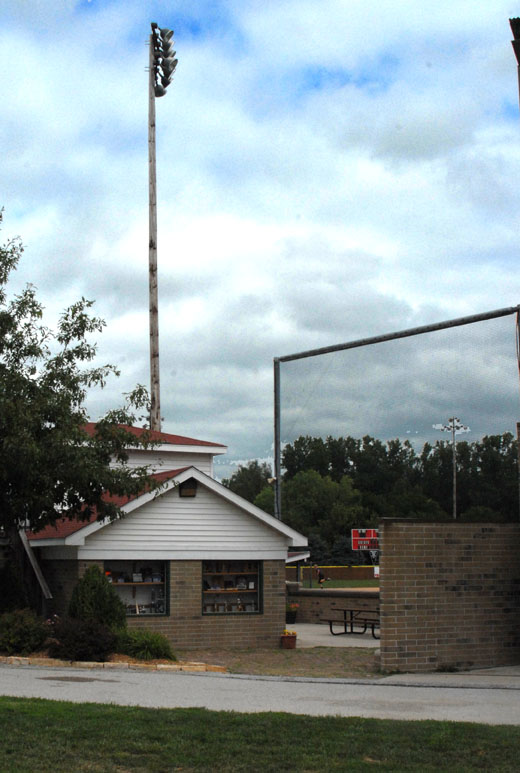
{"points": [[226, 574], [238, 591], [136, 583]]}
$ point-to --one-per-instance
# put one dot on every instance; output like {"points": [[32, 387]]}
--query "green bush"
{"points": [[76, 639], [144, 645], [21, 632], [95, 599]]}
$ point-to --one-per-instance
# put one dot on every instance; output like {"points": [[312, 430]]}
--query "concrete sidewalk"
{"points": [[501, 677], [314, 635]]}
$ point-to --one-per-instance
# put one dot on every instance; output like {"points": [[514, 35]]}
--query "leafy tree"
{"points": [[493, 475], [306, 453], [265, 500], [395, 482], [49, 466], [322, 507], [249, 480]]}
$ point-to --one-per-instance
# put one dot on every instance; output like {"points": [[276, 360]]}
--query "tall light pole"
{"points": [[162, 67], [454, 426]]}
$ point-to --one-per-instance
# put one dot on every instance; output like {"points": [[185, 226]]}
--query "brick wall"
{"points": [[316, 604], [187, 627], [450, 595], [61, 577]]}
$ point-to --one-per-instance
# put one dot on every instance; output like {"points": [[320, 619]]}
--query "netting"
{"points": [[400, 388]]}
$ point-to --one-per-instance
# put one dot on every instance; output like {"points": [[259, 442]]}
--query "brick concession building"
{"points": [[195, 561]]}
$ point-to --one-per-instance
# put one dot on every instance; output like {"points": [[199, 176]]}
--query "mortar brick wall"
{"points": [[450, 595], [61, 577], [185, 626]]}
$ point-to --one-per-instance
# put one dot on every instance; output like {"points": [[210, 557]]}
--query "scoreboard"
{"points": [[365, 539]]}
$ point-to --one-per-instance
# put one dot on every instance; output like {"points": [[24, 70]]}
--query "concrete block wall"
{"points": [[450, 595]]}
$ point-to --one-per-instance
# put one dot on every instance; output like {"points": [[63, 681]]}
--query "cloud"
{"points": [[326, 171]]}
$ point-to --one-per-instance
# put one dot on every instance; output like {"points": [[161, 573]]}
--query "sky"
{"points": [[328, 170]]}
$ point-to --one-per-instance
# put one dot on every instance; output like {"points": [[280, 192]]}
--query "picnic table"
{"points": [[364, 619]]}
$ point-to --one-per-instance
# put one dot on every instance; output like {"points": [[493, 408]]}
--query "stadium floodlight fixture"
{"points": [[455, 427], [162, 55]]}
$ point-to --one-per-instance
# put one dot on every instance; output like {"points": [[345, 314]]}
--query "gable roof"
{"points": [[67, 526], [171, 478], [163, 438]]}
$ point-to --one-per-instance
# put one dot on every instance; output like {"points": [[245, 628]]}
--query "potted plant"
{"points": [[291, 608], [288, 640]]}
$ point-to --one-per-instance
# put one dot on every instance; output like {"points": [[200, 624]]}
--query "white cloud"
{"points": [[326, 171]]}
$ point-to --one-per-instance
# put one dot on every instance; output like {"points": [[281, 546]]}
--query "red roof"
{"points": [[157, 437], [66, 526]]}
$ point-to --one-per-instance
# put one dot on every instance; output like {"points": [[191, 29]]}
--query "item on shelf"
{"points": [[251, 585], [137, 577]]}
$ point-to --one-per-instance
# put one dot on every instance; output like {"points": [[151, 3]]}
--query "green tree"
{"points": [[322, 507], [265, 500], [248, 480], [493, 475], [49, 466]]}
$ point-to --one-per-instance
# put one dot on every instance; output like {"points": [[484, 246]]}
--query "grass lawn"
{"points": [[51, 736], [373, 583], [334, 662]]}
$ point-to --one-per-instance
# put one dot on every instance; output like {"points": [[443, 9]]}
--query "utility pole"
{"points": [[162, 66], [454, 426]]}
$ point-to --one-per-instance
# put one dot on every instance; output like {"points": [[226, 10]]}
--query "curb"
{"points": [[16, 660]]}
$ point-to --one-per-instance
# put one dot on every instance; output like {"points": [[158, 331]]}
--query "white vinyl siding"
{"points": [[159, 461], [205, 526]]}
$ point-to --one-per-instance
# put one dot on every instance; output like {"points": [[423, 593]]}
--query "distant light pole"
{"points": [[454, 426], [162, 67]]}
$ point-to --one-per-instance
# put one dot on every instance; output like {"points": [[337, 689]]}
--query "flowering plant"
{"points": [[288, 633], [291, 606]]}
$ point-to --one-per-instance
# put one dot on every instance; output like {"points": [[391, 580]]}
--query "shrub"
{"points": [[95, 599], [144, 645], [21, 632], [81, 640]]}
